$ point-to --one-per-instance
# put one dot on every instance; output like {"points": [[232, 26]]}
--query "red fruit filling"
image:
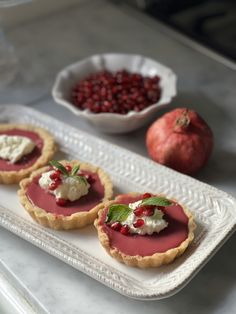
{"points": [[118, 92], [27, 160]]}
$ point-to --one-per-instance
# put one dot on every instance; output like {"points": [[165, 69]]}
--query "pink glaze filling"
{"points": [[47, 201], [145, 245], [27, 160]]}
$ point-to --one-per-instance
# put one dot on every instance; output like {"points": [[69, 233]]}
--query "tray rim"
{"points": [[57, 253]]}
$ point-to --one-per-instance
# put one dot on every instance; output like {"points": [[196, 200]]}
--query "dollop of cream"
{"points": [[13, 147], [69, 189], [154, 223]]}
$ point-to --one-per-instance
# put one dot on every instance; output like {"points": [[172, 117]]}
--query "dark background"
{"points": [[210, 22]]}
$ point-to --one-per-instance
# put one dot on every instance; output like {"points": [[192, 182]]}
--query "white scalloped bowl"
{"points": [[114, 122]]}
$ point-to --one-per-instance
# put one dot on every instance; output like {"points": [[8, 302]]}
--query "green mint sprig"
{"points": [[56, 164], [73, 173], [120, 212], [156, 201], [74, 170]]}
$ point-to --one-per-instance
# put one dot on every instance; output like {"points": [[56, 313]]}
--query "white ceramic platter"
{"points": [[214, 210]]}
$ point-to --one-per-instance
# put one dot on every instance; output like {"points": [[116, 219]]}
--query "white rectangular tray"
{"points": [[214, 210]]}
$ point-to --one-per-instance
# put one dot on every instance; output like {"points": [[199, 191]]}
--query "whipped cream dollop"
{"points": [[14, 147], [70, 188], [154, 223]]}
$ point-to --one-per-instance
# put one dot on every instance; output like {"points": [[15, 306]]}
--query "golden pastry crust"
{"points": [[61, 222], [48, 150], [154, 260]]}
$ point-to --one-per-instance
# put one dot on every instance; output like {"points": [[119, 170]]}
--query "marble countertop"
{"points": [[47, 44]]}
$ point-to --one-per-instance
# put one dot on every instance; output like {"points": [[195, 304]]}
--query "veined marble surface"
{"points": [[46, 45]]}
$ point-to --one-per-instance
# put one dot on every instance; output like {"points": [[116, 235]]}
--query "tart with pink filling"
{"points": [[65, 195], [144, 230], [23, 148]]}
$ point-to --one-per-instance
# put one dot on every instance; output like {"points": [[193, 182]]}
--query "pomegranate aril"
{"points": [[57, 180], [58, 172], [146, 195], [138, 211], [124, 230], [95, 97], [148, 211], [68, 168], [54, 175], [116, 226], [53, 186], [138, 223], [80, 98], [119, 87], [60, 201]]}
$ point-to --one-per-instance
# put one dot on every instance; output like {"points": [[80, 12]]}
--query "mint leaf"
{"points": [[74, 170], [156, 201], [59, 166], [118, 212]]}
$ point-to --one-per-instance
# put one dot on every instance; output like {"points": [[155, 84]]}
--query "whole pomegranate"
{"points": [[181, 140]]}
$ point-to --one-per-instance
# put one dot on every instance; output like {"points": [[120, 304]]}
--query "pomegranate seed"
{"points": [[146, 195], [116, 226], [138, 223], [124, 230], [58, 172], [54, 175], [60, 201], [148, 210], [57, 180], [53, 186], [138, 211], [68, 168], [111, 92]]}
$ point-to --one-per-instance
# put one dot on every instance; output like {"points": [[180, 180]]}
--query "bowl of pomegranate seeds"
{"points": [[117, 93]]}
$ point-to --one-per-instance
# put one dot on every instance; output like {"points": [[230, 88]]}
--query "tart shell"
{"points": [[48, 150], [154, 260], [61, 222]]}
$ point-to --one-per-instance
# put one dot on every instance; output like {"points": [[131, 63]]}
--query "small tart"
{"points": [[145, 251], [43, 208], [44, 150]]}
